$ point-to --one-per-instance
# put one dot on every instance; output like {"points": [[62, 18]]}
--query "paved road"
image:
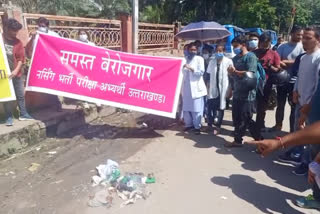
{"points": [[195, 174]]}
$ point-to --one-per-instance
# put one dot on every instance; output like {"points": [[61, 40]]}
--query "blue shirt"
{"points": [[290, 51]]}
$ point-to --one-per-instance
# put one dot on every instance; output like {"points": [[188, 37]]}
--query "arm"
{"points": [[210, 67], [276, 66], [15, 72], [30, 45], [226, 78], [284, 63], [294, 139], [315, 80], [252, 63], [19, 55], [306, 107], [29, 48], [288, 62], [199, 70]]}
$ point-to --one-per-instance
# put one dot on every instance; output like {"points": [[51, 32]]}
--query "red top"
{"points": [[270, 57], [18, 53]]}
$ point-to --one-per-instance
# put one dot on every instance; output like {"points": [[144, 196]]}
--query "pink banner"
{"points": [[77, 70]]}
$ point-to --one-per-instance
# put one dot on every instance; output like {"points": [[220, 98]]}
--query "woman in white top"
{"points": [[194, 90], [218, 86]]}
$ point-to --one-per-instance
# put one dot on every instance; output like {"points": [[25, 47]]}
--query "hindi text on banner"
{"points": [[150, 96], [3, 74], [117, 66], [66, 79], [86, 83], [85, 59], [119, 89], [46, 74]]}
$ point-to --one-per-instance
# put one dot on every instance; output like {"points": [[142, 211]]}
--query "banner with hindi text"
{"points": [[77, 70], [6, 88]]}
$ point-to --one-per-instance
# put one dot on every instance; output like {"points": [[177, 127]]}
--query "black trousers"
{"points": [[262, 105], [283, 93], [242, 112]]}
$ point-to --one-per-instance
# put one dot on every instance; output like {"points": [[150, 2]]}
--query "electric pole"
{"points": [[135, 27]]}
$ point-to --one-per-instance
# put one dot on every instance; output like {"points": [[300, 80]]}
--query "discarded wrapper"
{"points": [[34, 167]]}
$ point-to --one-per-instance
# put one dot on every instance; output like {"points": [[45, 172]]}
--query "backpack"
{"points": [[261, 76]]}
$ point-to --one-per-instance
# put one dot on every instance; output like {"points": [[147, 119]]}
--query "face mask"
{"points": [[253, 44], [237, 51], [83, 38], [206, 56], [186, 53], [43, 29], [219, 55]]}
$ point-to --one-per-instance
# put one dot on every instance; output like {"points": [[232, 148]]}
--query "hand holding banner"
{"points": [[6, 87], [77, 70]]}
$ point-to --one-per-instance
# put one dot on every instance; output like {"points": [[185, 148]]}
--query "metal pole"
{"points": [[135, 29]]}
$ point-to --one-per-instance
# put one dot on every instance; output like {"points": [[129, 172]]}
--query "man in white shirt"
{"points": [[43, 27]]}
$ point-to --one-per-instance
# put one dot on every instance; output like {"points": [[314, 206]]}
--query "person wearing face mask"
{"points": [[270, 60], [219, 83], [193, 90], [253, 41], [43, 27], [16, 59], [245, 63], [83, 37]]}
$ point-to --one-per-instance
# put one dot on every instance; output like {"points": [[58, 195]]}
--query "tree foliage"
{"points": [[271, 14]]}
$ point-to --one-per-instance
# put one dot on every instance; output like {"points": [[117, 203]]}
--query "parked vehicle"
{"points": [[254, 29], [260, 31], [235, 31], [274, 36]]}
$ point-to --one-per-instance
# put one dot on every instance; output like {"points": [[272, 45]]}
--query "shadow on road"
{"points": [[251, 160], [266, 199]]}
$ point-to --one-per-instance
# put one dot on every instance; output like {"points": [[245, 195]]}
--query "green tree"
{"points": [[252, 13]]}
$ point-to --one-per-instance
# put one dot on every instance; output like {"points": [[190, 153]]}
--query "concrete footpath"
{"points": [[48, 123]]}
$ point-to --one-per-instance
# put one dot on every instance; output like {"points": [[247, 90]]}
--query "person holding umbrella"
{"points": [[193, 90]]}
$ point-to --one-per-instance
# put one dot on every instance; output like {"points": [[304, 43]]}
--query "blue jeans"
{"points": [[19, 90], [297, 151], [214, 111]]}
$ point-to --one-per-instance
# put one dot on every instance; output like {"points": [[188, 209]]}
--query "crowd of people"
{"points": [[211, 79], [17, 54]]}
